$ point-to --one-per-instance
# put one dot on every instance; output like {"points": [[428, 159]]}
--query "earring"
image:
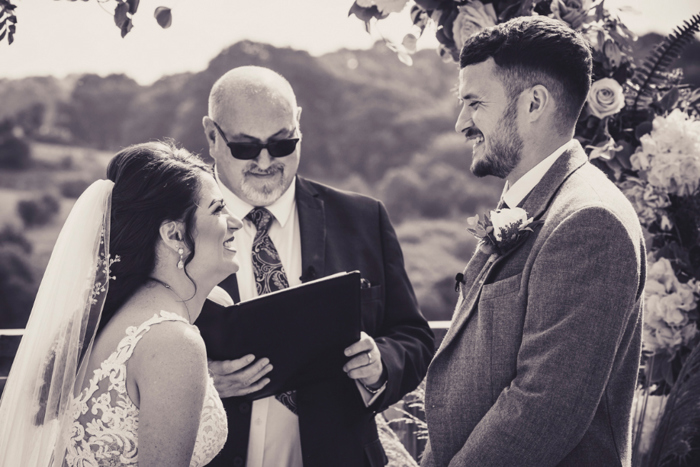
{"points": [[180, 264]]}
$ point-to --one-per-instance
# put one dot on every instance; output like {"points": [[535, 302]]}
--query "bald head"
{"points": [[250, 86]]}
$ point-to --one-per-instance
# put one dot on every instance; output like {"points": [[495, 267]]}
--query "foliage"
{"points": [[38, 211], [99, 107], [124, 13], [15, 152], [17, 286], [641, 126], [680, 422], [8, 21], [653, 74]]}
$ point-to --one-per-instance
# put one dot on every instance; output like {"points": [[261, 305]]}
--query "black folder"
{"points": [[303, 330]]}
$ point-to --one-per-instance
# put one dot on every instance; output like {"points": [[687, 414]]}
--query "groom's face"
{"points": [[488, 119]]}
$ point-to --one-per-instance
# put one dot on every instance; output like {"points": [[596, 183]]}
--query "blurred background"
{"points": [[73, 92]]}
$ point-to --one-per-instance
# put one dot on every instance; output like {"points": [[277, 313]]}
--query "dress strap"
{"points": [[134, 334]]}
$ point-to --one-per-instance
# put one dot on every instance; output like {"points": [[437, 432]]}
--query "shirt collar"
{"points": [[513, 195], [280, 209]]}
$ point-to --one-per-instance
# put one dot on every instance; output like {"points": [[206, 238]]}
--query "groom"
{"points": [[539, 365]]}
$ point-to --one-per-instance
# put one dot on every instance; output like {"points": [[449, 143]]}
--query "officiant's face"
{"points": [[260, 118], [489, 120]]}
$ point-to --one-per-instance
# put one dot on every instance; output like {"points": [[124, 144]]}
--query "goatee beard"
{"points": [[263, 195]]}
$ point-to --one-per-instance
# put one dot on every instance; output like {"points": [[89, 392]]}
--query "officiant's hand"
{"points": [[367, 364], [233, 378]]}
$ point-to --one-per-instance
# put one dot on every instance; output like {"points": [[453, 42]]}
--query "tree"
{"points": [[15, 152]]}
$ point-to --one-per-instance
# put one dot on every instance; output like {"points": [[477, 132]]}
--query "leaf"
{"points": [[133, 6], [364, 14], [680, 423], [126, 27], [669, 100], [164, 16], [409, 42], [120, 15], [652, 73], [2, 35]]}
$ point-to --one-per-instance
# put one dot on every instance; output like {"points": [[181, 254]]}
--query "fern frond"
{"points": [[680, 422], [8, 20], [653, 71]]}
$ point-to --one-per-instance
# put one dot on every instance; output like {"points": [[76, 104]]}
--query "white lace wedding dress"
{"points": [[105, 421]]}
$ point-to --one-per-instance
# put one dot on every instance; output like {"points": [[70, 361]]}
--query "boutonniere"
{"points": [[502, 230]]}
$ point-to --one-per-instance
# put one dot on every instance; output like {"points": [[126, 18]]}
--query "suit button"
{"points": [[244, 407], [238, 461]]}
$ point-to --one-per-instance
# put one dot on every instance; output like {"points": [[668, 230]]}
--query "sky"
{"points": [[62, 37]]}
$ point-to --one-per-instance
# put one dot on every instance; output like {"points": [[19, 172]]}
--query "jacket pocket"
{"points": [[501, 288], [502, 312]]}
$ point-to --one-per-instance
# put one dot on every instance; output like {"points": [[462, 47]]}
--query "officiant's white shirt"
{"points": [[513, 195], [274, 430]]}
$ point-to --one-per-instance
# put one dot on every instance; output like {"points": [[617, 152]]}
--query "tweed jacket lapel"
{"points": [[481, 264], [312, 225]]}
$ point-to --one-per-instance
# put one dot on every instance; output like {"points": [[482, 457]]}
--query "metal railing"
{"points": [[439, 326]]}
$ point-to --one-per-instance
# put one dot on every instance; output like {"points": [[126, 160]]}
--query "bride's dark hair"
{"points": [[153, 183]]}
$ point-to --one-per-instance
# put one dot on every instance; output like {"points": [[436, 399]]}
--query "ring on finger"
{"points": [[369, 358]]}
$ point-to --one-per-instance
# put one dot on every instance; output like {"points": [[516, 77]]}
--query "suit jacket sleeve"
{"points": [[581, 293], [404, 338]]}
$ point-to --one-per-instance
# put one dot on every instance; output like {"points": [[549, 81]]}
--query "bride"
{"points": [[111, 370]]}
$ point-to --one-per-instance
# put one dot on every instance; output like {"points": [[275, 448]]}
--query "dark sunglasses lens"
{"points": [[245, 151], [282, 148]]}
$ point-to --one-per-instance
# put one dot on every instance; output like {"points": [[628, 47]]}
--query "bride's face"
{"points": [[214, 230]]}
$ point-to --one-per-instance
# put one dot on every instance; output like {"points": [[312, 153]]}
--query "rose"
{"points": [[573, 12], [472, 18], [605, 98], [502, 219]]}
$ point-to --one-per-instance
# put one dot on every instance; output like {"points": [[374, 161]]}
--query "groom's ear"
{"points": [[172, 234], [538, 101]]}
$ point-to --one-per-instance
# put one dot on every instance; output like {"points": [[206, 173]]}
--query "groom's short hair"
{"points": [[536, 50]]}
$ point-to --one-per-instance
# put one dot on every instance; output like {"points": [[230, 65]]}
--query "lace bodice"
{"points": [[104, 431]]}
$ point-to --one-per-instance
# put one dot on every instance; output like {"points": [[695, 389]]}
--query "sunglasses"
{"points": [[248, 151]]}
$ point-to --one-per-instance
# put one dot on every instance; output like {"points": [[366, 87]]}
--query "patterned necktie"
{"points": [[269, 273]]}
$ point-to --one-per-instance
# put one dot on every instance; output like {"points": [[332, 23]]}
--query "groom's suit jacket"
{"points": [[343, 231], [539, 365]]}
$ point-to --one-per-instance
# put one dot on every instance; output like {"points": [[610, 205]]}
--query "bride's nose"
{"points": [[234, 223]]}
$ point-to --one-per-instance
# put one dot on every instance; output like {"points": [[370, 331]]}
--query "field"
{"points": [[434, 250]]}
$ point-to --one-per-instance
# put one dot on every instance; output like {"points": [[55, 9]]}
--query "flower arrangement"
{"points": [[641, 126], [502, 230]]}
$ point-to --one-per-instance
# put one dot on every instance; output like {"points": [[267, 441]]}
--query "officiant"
{"points": [[296, 230]]}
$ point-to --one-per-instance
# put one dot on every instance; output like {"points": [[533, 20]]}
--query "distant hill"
{"points": [[364, 111]]}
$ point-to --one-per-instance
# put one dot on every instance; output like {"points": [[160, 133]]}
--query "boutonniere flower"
{"points": [[501, 230]]}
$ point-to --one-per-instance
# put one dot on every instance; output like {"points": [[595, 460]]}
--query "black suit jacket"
{"points": [[343, 231]]}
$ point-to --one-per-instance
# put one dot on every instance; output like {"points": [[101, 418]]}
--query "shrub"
{"points": [[39, 211], [17, 287], [12, 235], [73, 188], [15, 152]]}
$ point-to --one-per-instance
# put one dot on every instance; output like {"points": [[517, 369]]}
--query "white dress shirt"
{"points": [[274, 430], [513, 195]]}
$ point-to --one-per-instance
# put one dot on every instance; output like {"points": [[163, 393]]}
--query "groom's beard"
{"points": [[504, 150]]}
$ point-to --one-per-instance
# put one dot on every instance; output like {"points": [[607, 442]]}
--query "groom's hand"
{"points": [[366, 365], [233, 378]]}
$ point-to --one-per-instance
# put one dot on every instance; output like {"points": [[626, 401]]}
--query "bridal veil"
{"points": [[59, 335]]}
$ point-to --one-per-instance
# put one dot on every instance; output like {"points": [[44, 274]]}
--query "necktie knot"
{"points": [[261, 219]]}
